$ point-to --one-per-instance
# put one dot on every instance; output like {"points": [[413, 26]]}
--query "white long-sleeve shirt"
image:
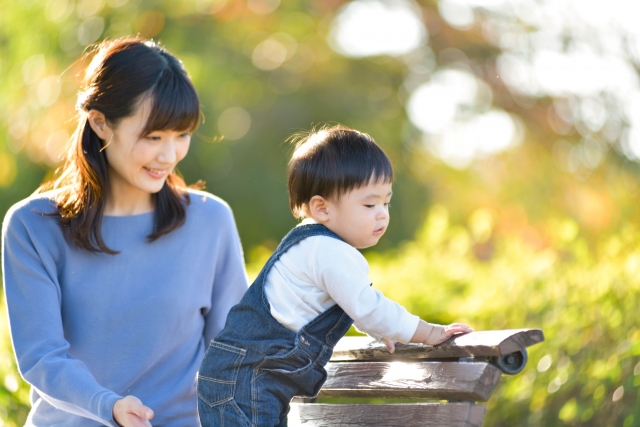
{"points": [[321, 271]]}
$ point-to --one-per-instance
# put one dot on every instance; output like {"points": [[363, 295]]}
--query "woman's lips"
{"points": [[156, 173]]}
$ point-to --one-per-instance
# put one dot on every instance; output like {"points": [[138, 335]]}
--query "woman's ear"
{"points": [[98, 123], [318, 208]]}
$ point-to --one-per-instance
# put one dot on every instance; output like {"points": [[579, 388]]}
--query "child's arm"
{"points": [[435, 334], [342, 272]]}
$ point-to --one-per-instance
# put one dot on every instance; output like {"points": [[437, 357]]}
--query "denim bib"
{"points": [[255, 366]]}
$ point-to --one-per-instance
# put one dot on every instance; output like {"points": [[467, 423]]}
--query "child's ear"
{"points": [[98, 123], [318, 209]]}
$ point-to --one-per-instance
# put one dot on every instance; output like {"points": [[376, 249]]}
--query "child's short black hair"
{"points": [[331, 162]]}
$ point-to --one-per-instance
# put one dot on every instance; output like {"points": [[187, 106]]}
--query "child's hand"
{"points": [[432, 334], [391, 345], [441, 333], [130, 412]]}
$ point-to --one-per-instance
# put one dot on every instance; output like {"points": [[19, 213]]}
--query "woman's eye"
{"points": [[153, 138], [185, 135]]}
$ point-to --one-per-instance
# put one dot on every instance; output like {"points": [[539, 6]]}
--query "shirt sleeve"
{"points": [[230, 280], [33, 299], [342, 272]]}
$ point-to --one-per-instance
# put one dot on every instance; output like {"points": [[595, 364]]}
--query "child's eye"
{"points": [[369, 206], [388, 204], [185, 135], [152, 137]]}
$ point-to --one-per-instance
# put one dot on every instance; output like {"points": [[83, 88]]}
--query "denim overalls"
{"points": [[255, 366]]}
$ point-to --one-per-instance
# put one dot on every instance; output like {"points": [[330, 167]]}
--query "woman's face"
{"points": [[141, 163]]}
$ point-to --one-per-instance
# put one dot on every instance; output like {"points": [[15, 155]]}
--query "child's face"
{"points": [[361, 216]]}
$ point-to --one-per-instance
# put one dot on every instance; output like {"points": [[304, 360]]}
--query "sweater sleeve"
{"points": [[342, 272], [33, 300], [230, 280]]}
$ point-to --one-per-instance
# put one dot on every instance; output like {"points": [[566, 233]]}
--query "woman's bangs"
{"points": [[175, 105]]}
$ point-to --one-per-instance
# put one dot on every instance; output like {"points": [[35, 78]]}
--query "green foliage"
{"points": [[14, 393], [530, 238], [584, 298]]}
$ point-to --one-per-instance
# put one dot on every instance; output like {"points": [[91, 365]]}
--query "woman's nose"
{"points": [[168, 153]]}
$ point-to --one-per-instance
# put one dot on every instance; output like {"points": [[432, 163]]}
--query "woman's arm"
{"points": [[230, 280], [34, 300]]}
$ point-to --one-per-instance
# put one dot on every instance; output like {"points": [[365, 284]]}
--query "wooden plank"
{"points": [[474, 344], [459, 414], [473, 381]]}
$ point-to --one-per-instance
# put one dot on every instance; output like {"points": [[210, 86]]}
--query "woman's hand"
{"points": [[130, 412]]}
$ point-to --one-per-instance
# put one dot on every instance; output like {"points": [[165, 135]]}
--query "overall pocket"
{"points": [[292, 363], [291, 374], [218, 373]]}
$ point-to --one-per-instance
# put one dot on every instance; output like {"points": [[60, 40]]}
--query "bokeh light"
{"points": [[454, 111], [513, 127], [373, 27], [234, 123]]}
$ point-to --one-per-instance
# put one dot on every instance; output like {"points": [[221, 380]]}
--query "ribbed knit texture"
{"points": [[89, 328]]}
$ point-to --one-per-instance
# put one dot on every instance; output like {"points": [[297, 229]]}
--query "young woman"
{"points": [[116, 275]]}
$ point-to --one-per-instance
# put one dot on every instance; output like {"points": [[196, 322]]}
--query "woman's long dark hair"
{"points": [[123, 73]]}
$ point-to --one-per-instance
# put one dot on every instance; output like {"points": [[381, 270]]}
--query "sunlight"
{"points": [[293, 417], [401, 371], [372, 27], [483, 134], [434, 105], [581, 73], [591, 72], [453, 110]]}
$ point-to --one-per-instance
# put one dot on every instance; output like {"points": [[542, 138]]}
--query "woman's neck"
{"points": [[125, 200]]}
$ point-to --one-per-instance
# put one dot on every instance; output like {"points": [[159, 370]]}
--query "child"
{"points": [[280, 336]]}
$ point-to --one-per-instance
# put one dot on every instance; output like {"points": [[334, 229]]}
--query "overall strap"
{"points": [[301, 232], [294, 236]]}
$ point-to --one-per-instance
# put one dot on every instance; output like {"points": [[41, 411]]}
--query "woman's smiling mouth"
{"points": [[156, 173]]}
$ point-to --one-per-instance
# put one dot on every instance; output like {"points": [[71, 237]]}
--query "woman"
{"points": [[116, 275]]}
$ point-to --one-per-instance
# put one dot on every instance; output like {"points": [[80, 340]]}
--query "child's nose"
{"points": [[382, 213]]}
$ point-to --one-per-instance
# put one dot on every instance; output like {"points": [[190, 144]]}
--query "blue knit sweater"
{"points": [[90, 328]]}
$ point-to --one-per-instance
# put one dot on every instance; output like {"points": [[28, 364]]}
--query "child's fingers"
{"points": [[458, 328], [391, 345]]}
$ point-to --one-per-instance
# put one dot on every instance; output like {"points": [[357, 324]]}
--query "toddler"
{"points": [[278, 339]]}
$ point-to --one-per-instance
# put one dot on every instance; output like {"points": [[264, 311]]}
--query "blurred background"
{"points": [[513, 126]]}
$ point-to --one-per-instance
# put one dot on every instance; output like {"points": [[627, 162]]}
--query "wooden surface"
{"points": [[473, 381], [474, 344], [459, 414]]}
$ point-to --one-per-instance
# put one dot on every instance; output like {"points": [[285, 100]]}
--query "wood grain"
{"points": [[459, 414], [473, 381], [474, 344]]}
